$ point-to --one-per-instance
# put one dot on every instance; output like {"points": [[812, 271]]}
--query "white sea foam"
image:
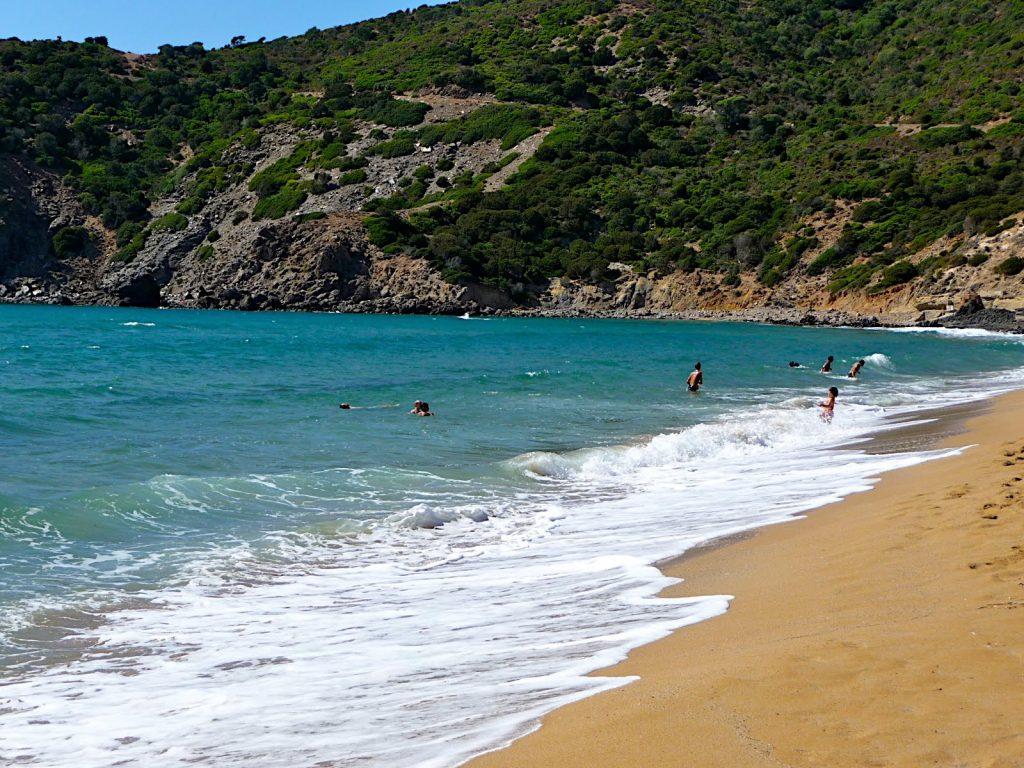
{"points": [[440, 617], [136, 323], [879, 360], [963, 333], [447, 629]]}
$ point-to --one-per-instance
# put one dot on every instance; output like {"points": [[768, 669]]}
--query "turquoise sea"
{"points": [[203, 559]]}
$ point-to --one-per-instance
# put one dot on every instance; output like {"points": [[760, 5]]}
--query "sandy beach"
{"points": [[885, 630]]}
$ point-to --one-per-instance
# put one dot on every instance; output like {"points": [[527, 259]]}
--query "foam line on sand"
{"points": [[885, 630]]}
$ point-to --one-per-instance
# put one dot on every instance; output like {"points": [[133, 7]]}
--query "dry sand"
{"points": [[885, 630]]}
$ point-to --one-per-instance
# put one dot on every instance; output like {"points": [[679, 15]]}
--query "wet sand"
{"points": [[885, 630]]}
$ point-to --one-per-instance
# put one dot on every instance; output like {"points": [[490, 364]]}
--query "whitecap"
{"points": [[880, 361]]}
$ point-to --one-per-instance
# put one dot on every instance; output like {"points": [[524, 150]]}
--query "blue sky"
{"points": [[142, 26]]}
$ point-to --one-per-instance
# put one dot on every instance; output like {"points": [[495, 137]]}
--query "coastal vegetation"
{"points": [[677, 136]]}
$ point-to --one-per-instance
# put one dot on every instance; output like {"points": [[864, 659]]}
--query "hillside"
{"points": [[633, 157]]}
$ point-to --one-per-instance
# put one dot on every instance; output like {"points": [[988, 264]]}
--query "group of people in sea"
{"points": [[694, 382], [827, 367], [828, 405]]}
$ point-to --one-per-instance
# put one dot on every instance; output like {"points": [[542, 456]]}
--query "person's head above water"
{"points": [[696, 366], [834, 391], [345, 407]]}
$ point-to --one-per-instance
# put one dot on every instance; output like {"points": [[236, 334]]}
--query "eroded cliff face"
{"points": [[319, 257], [933, 296]]}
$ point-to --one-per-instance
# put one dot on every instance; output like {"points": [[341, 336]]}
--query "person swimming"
{"points": [[421, 408], [826, 367], [828, 405], [855, 369], [695, 379]]}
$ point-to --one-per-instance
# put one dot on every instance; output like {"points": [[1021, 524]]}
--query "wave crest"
{"points": [[880, 361], [737, 437]]}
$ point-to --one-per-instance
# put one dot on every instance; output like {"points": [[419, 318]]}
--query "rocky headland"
{"points": [[320, 258], [206, 239]]}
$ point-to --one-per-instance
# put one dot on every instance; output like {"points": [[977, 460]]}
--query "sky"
{"points": [[142, 26]]}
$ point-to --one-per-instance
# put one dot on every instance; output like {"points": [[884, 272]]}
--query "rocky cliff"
{"points": [[972, 292], [320, 257], [317, 257]]}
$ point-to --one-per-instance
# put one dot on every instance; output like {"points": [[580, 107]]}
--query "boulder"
{"points": [[140, 290]]}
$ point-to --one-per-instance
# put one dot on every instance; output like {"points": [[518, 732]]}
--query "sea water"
{"points": [[204, 560]]}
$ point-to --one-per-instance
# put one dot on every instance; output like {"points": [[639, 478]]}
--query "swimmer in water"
{"points": [[828, 405], [827, 365], [855, 369], [695, 379]]}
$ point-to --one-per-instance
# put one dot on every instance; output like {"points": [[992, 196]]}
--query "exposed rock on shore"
{"points": [[320, 257]]}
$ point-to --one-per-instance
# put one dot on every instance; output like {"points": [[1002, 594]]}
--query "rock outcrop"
{"points": [[320, 258]]}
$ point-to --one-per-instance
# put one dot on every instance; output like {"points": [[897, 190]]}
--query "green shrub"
{"points": [[358, 176], [213, 236], [127, 231], [401, 144], [509, 122], [250, 139], [933, 138], [276, 206], [191, 205], [347, 163], [170, 222], [70, 241], [131, 249], [384, 229], [830, 258], [276, 176], [896, 274], [333, 145], [1011, 266], [204, 252], [516, 134], [978, 259], [851, 278], [396, 113]]}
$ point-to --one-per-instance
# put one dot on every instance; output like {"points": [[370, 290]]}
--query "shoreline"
{"points": [[883, 629], [994, 320]]}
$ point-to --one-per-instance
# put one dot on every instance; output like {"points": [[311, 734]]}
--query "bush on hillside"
{"points": [[1011, 266], [70, 241]]}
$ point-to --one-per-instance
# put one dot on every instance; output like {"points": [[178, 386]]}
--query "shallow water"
{"points": [[202, 558]]}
